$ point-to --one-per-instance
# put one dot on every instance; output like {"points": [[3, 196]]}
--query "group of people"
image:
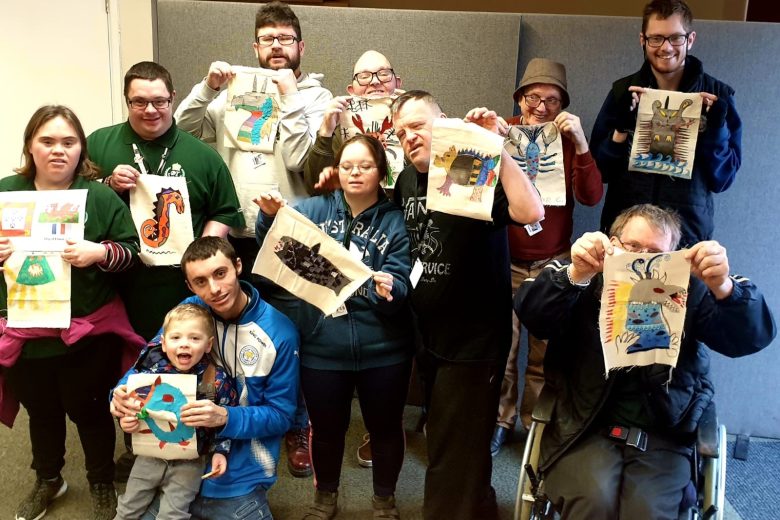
{"points": [[271, 366]]}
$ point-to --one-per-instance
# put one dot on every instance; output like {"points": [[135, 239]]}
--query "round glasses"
{"points": [[676, 39], [634, 247], [551, 103], [364, 168], [141, 104], [365, 78], [283, 39]]}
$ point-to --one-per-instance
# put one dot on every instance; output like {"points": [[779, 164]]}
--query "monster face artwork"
{"points": [[252, 111], [667, 128], [643, 308], [298, 256], [162, 433], [538, 150], [160, 207], [463, 172], [372, 117]]}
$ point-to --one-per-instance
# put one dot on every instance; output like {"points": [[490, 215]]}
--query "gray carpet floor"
{"points": [[290, 496]]}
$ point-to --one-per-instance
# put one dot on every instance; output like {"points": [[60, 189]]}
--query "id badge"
{"points": [[417, 271], [534, 228], [341, 311]]}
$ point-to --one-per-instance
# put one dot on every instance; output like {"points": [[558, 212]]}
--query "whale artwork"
{"points": [[162, 434]]}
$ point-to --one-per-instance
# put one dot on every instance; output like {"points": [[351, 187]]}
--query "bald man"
{"points": [[373, 77]]}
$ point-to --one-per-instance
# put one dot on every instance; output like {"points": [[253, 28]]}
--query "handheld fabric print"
{"points": [[161, 212], [463, 173], [298, 256], [38, 290], [667, 128], [643, 308], [162, 396], [538, 150], [252, 110], [42, 220], [372, 117]]}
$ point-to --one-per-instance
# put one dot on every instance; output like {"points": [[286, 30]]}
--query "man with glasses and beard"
{"points": [[666, 39]]}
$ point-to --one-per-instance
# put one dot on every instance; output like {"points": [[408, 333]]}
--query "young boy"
{"points": [[182, 348]]}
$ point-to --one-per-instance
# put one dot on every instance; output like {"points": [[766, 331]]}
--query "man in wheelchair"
{"points": [[619, 445]]}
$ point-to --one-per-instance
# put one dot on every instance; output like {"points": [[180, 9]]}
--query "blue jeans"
{"points": [[253, 506]]}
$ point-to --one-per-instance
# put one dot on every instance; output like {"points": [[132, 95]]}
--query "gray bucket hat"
{"points": [[542, 70]]}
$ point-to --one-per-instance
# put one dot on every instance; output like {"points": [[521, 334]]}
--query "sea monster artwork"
{"points": [[532, 159], [263, 114], [467, 168], [307, 263], [161, 404], [156, 230]]}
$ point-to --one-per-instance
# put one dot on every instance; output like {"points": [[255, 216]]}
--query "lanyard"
{"points": [[139, 160]]}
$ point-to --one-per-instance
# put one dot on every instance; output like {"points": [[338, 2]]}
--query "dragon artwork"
{"points": [[156, 230], [532, 159], [664, 141], [646, 326], [467, 168], [161, 404], [308, 263], [263, 114]]}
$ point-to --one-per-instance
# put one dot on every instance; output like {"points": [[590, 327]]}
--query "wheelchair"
{"points": [[704, 497]]}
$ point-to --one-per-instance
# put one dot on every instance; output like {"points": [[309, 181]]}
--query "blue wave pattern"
{"points": [[659, 163]]}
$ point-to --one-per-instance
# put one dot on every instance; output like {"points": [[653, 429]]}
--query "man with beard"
{"points": [[666, 38]]}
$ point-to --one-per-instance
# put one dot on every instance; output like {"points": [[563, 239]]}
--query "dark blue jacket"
{"points": [[374, 332], [566, 315], [718, 156]]}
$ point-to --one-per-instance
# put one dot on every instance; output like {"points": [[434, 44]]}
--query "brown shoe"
{"points": [[298, 459], [364, 452], [324, 507], [384, 508]]}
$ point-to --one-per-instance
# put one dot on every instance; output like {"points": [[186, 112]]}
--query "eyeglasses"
{"points": [[634, 247], [365, 78], [141, 104], [364, 168], [676, 39], [551, 103], [283, 39]]}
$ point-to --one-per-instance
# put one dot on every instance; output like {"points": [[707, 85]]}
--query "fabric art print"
{"points": [[463, 172], [372, 117], [667, 128], [643, 308], [161, 212], [162, 434], [252, 110], [38, 290], [538, 150], [301, 258]]}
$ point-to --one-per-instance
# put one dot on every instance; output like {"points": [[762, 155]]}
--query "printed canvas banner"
{"points": [[42, 220], [372, 117], [463, 173], [161, 212], [643, 308], [38, 290], [538, 150], [301, 258], [667, 128], [252, 110], [162, 433]]}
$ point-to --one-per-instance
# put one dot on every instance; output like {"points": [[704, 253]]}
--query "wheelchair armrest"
{"points": [[707, 433], [544, 406]]}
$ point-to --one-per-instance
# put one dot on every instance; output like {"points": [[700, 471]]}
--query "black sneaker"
{"points": [[103, 501], [34, 505]]}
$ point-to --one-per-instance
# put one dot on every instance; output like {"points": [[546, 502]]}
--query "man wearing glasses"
{"points": [[542, 96], [149, 142], [373, 77], [666, 38]]}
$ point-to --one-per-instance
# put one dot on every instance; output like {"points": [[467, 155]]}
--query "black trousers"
{"points": [[382, 396], [76, 384]]}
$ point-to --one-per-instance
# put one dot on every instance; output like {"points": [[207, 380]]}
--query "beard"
{"points": [[293, 63]]}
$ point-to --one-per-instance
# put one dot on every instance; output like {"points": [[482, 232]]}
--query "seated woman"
{"points": [[368, 344], [51, 378]]}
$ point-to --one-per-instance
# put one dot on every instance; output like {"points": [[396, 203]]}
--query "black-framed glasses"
{"points": [[283, 39], [366, 77], [364, 168], [551, 103], [635, 247], [141, 104], [676, 39]]}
